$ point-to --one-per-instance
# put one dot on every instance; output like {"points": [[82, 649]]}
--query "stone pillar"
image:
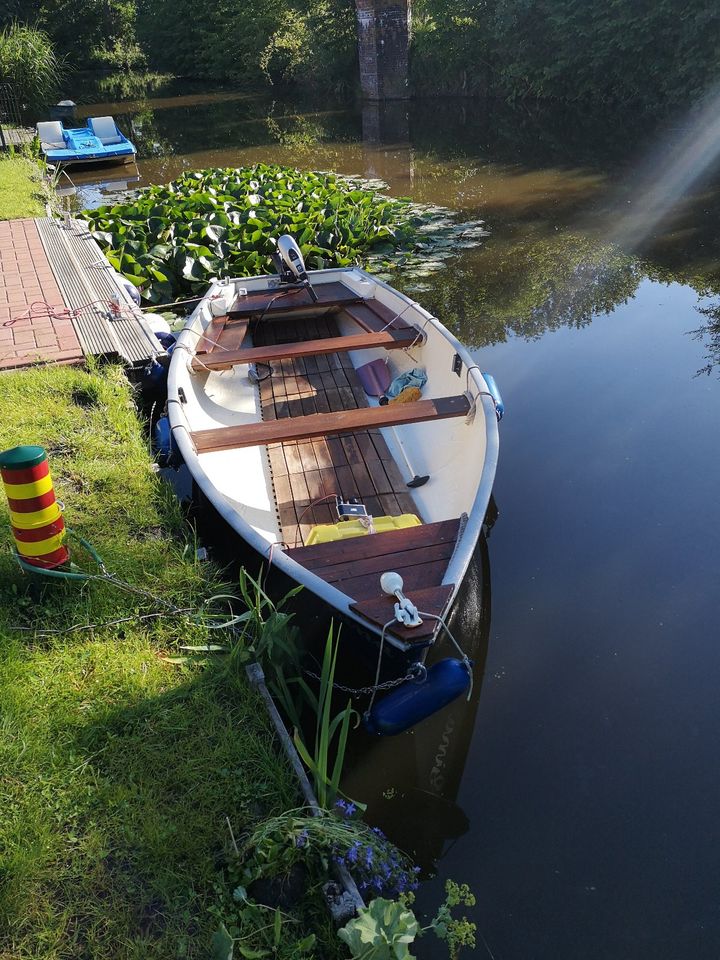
{"points": [[383, 42]]}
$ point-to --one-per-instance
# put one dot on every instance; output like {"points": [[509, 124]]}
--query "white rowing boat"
{"points": [[274, 403]]}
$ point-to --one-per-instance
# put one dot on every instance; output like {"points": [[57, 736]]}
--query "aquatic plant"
{"points": [[172, 240], [337, 836], [331, 730]]}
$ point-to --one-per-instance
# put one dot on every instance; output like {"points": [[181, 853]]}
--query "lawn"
{"points": [[119, 764], [21, 189]]}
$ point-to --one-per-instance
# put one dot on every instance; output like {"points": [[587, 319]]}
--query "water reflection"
{"points": [[709, 335], [411, 782], [588, 799]]}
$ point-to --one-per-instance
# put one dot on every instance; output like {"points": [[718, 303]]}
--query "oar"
{"points": [[416, 481]]}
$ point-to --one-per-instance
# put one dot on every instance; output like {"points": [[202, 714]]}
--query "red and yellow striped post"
{"points": [[37, 522]]}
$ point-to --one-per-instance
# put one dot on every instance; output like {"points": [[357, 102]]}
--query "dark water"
{"points": [[579, 792]]}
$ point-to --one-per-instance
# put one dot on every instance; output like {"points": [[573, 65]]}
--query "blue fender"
{"points": [[494, 392], [167, 451], [415, 701]]}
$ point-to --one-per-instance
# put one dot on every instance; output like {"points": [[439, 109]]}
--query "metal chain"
{"points": [[387, 685]]}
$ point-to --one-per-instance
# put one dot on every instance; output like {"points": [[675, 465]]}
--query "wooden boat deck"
{"points": [[357, 464], [420, 554]]}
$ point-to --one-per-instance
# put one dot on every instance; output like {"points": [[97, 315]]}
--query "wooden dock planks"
{"points": [[86, 280]]}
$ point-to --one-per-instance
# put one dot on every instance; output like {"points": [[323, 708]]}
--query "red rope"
{"points": [[41, 308]]}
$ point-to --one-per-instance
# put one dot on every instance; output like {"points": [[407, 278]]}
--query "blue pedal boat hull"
{"points": [[82, 146]]}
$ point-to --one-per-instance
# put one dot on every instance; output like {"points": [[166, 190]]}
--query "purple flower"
{"points": [[301, 839]]}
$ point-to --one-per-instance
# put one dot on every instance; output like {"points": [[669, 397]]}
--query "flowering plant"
{"points": [[377, 866]]}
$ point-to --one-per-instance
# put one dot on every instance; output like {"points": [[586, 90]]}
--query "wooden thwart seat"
{"points": [[389, 339], [221, 334], [281, 301], [328, 424]]}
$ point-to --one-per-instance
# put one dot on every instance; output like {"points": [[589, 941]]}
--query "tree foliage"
{"points": [[646, 52], [253, 41]]}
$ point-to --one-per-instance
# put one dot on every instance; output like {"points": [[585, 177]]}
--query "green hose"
{"points": [[75, 573]]}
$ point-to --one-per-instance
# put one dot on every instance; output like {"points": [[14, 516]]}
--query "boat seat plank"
{"points": [[372, 315], [389, 340], [373, 566], [325, 424], [431, 599], [221, 334], [416, 577], [282, 301]]}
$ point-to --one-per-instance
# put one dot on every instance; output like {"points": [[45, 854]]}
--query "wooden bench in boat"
{"points": [[419, 554], [328, 424], [281, 301], [224, 358], [222, 334]]}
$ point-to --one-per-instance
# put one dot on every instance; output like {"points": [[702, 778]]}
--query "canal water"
{"points": [[578, 791]]}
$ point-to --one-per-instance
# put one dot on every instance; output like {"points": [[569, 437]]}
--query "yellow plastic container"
{"points": [[345, 529]]}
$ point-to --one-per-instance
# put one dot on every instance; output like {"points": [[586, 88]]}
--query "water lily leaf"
{"points": [[225, 221], [159, 292], [215, 232]]}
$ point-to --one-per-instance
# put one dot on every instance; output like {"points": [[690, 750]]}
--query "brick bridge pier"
{"points": [[383, 40]]}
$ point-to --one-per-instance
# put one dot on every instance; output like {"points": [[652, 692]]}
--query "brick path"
{"points": [[26, 276]]}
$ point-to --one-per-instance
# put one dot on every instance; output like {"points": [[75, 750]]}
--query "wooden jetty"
{"points": [[56, 288], [15, 136]]}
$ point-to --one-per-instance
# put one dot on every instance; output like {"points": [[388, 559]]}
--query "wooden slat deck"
{"points": [[15, 136], [352, 465], [85, 276]]}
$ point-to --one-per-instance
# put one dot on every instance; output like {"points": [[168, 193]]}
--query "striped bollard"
{"points": [[35, 516]]}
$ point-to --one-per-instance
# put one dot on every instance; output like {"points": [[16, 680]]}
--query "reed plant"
{"points": [[29, 63], [331, 730], [266, 635]]}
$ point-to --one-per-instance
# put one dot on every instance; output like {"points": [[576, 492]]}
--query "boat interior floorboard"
{"points": [[357, 464]]}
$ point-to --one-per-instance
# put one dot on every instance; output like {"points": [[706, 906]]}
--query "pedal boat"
{"points": [[99, 140]]}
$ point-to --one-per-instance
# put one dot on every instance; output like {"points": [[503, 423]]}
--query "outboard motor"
{"points": [[290, 264]]}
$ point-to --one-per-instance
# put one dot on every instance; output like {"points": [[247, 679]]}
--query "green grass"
{"points": [[21, 190], [118, 766]]}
